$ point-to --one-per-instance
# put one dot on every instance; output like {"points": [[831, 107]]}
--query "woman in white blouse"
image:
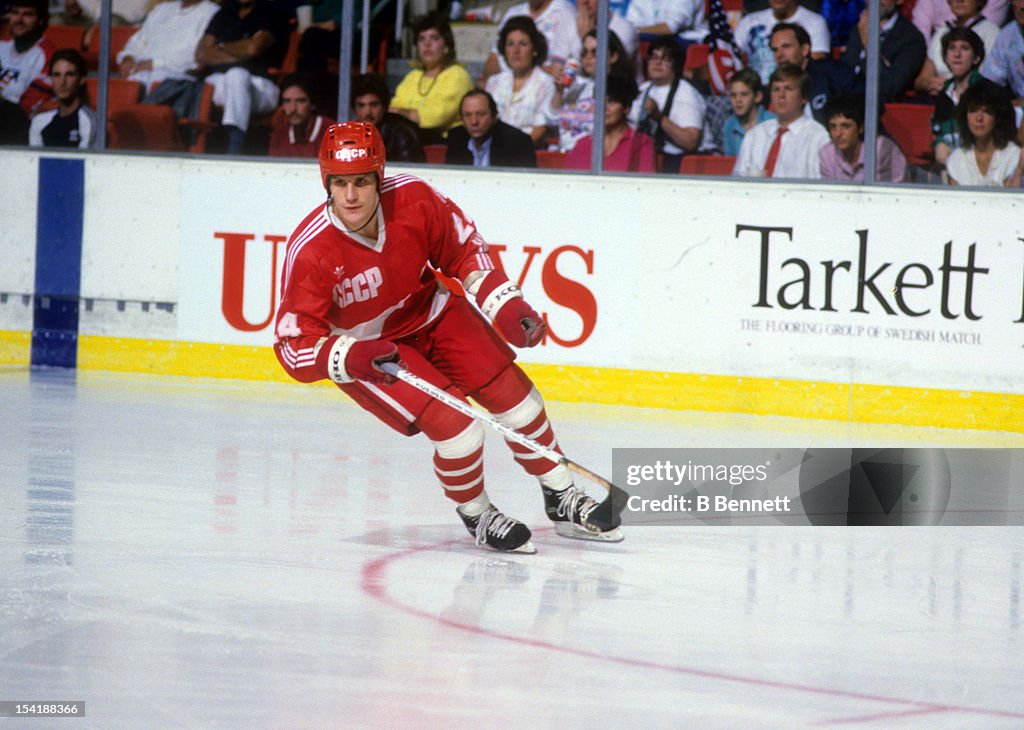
{"points": [[987, 155], [523, 92]]}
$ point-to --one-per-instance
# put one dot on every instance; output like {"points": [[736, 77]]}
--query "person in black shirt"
{"points": [[244, 40], [13, 124], [370, 101], [791, 43], [71, 123], [483, 140]]}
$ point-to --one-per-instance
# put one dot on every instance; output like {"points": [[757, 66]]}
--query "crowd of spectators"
{"points": [[778, 89]]}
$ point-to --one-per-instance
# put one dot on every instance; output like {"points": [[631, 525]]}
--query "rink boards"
{"points": [[886, 305]]}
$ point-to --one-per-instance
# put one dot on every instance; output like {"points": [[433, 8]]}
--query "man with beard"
{"points": [[25, 58], [303, 129]]}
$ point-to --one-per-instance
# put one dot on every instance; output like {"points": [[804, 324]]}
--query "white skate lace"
{"points": [[494, 522], [573, 500]]}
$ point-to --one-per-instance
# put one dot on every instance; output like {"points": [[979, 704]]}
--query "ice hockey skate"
{"points": [[570, 509], [498, 531]]}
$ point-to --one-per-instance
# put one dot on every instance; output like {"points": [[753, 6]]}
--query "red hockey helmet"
{"points": [[351, 148]]}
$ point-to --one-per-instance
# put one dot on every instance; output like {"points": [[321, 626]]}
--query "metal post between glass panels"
{"points": [[102, 100]]}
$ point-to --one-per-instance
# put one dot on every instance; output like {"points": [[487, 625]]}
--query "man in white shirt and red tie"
{"points": [[788, 145]]}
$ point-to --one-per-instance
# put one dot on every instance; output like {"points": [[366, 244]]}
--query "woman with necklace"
{"points": [[524, 91], [624, 149], [429, 96]]}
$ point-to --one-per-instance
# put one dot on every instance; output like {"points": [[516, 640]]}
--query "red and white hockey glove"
{"points": [[349, 359], [502, 302]]}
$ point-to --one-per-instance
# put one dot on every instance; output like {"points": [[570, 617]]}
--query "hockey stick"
{"points": [[608, 513]]}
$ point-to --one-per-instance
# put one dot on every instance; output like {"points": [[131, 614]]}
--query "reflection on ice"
{"points": [[185, 553]]}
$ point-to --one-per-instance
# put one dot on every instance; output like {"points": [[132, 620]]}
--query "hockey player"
{"points": [[358, 290]]}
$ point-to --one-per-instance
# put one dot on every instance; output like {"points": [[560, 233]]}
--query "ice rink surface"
{"points": [[192, 553]]}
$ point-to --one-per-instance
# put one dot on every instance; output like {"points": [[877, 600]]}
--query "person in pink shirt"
{"points": [[625, 150], [843, 157]]}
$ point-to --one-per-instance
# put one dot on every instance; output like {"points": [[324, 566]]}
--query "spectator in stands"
{"points": [[745, 95], [669, 17], [303, 129], [1003, 65], [71, 123], [556, 22], [787, 146], [13, 124], [843, 157], [987, 155], [486, 141], [370, 100], [624, 149], [669, 108], [963, 53], [243, 41], [88, 12], [25, 57], [903, 51], [829, 78], [429, 96], [523, 93], [967, 15], [929, 16], [573, 105], [586, 21], [165, 46], [753, 33]]}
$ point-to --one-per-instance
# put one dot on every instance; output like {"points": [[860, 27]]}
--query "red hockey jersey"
{"points": [[334, 284]]}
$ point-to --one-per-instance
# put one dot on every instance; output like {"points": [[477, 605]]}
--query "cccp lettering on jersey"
{"points": [[359, 288]]}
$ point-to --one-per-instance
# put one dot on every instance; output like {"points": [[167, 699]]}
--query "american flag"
{"points": [[724, 55], [721, 36]]}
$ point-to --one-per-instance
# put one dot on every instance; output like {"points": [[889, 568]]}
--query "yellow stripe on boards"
{"points": [[612, 386], [15, 348], [193, 359]]}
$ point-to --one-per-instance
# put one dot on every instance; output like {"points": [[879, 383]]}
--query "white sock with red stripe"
{"points": [[529, 418], [459, 465]]}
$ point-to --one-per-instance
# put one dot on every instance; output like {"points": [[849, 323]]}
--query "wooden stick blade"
{"points": [[608, 514]]}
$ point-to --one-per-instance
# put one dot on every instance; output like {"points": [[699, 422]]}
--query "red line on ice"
{"points": [[374, 584]]}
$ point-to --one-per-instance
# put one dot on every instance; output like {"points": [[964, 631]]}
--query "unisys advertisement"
{"points": [[824, 284]]}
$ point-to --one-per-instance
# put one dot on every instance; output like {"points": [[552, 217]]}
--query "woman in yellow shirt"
{"points": [[430, 95]]}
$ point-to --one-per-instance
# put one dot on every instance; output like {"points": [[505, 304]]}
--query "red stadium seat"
{"points": [[707, 165], [551, 159], [120, 93], [696, 56], [204, 122], [145, 127], [65, 36], [119, 35], [910, 126], [291, 58], [435, 153]]}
